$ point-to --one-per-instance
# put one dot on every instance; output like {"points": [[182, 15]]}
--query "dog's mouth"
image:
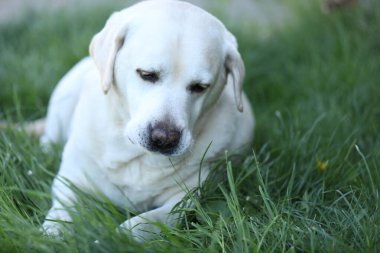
{"points": [[170, 151], [166, 152]]}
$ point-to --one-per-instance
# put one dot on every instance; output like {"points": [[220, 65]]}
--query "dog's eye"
{"points": [[198, 88], [149, 76]]}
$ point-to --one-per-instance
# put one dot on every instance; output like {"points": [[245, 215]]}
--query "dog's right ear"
{"points": [[235, 69], [105, 45]]}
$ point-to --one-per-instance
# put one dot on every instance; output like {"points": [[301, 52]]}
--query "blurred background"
{"points": [[237, 9]]}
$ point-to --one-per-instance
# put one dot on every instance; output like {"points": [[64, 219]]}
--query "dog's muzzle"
{"points": [[164, 138]]}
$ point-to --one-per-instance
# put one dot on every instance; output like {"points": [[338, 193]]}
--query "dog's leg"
{"points": [[142, 227], [57, 215], [35, 128], [63, 199]]}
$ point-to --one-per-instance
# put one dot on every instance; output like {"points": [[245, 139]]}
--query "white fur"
{"points": [[102, 109]]}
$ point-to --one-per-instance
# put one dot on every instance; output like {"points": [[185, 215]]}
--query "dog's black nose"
{"points": [[164, 138]]}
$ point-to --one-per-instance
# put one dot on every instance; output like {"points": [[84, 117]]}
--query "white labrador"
{"points": [[164, 81]]}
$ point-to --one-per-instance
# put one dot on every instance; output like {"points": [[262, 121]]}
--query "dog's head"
{"points": [[168, 61]]}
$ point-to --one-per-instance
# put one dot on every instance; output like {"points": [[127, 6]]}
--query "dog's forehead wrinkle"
{"points": [[203, 77], [188, 42]]}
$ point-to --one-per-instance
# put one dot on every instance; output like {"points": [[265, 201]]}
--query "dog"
{"points": [[162, 84]]}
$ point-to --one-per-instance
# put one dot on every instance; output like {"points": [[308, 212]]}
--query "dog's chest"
{"points": [[137, 180], [135, 175]]}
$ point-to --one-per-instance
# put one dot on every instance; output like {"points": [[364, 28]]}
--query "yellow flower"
{"points": [[321, 165]]}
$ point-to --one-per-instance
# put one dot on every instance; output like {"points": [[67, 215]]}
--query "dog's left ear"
{"points": [[105, 45], [235, 69]]}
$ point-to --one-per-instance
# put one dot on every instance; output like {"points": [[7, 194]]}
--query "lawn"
{"points": [[310, 184]]}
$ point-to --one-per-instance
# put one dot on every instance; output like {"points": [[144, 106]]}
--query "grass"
{"points": [[310, 184]]}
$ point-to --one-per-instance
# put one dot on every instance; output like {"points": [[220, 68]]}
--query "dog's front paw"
{"points": [[51, 228], [140, 229], [54, 222]]}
